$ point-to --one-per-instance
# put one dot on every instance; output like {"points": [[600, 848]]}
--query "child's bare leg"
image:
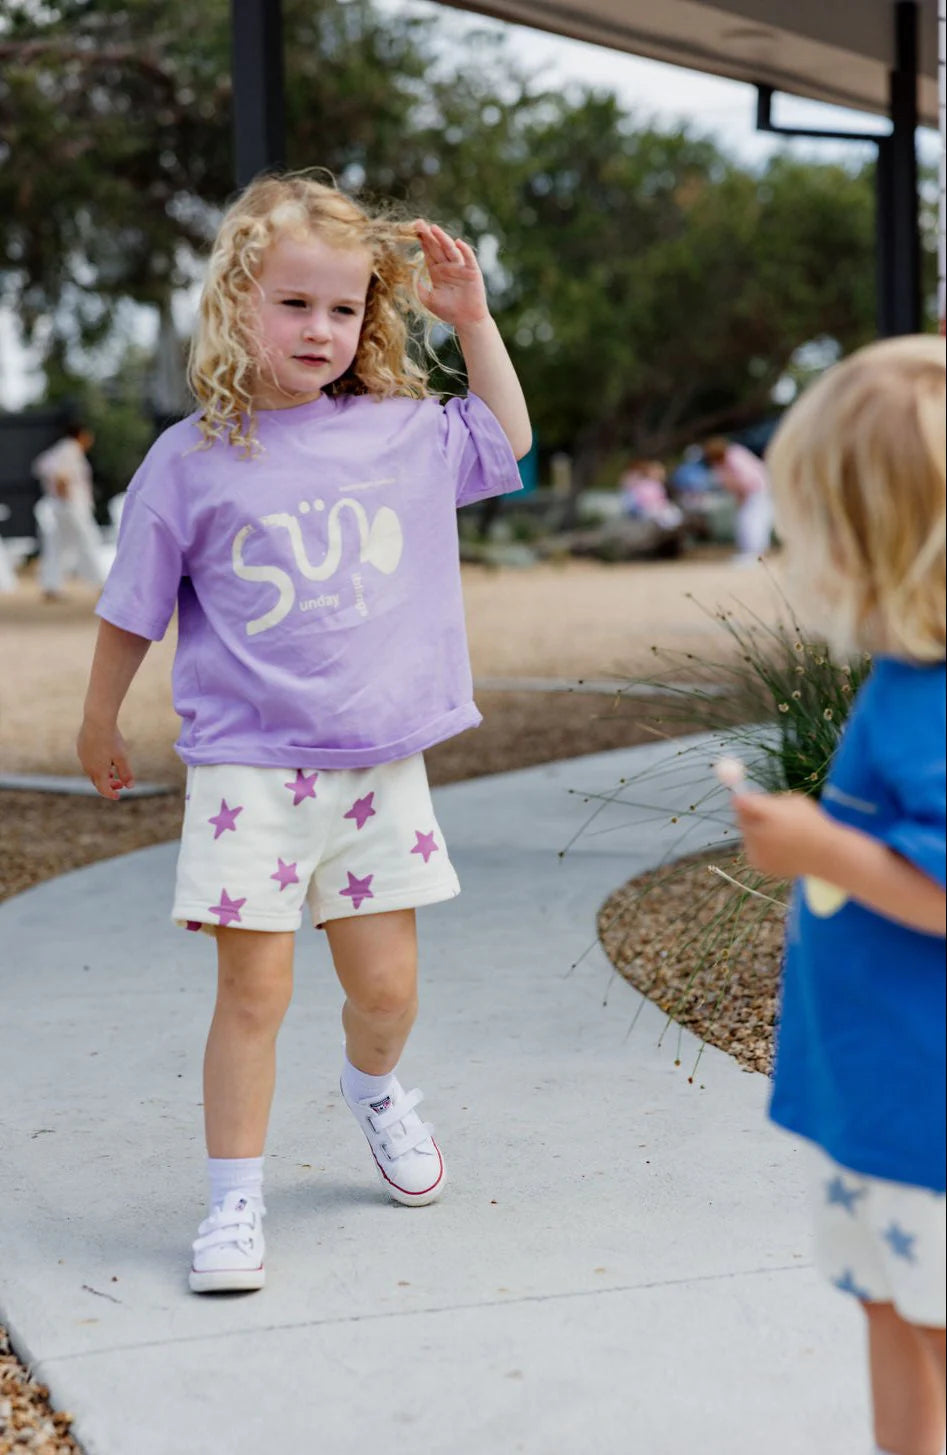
{"points": [[254, 987], [907, 1383], [376, 960], [936, 1341]]}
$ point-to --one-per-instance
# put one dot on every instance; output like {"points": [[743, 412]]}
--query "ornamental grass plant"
{"points": [[702, 934]]}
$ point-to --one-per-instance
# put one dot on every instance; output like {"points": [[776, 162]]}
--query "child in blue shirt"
{"points": [[858, 479]]}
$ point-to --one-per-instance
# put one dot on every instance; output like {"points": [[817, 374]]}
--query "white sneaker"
{"points": [[228, 1250], [408, 1159]]}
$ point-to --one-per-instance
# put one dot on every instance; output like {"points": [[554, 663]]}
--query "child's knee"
{"points": [[257, 1010], [388, 994], [258, 1001]]}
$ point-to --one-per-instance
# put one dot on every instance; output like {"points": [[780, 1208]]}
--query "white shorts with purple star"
{"points": [[883, 1242], [260, 843]]}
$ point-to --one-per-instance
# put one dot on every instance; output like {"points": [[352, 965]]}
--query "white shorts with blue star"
{"points": [[883, 1242], [259, 844]]}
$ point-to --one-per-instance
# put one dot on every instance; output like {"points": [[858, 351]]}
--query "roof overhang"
{"points": [[840, 51]]}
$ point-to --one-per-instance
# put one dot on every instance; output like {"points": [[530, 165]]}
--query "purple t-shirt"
{"points": [[320, 614]]}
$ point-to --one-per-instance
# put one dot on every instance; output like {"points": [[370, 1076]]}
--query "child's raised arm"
{"points": [[787, 834], [100, 746], [458, 297]]}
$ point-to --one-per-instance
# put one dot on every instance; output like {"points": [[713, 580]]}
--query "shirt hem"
{"points": [[304, 755], [864, 1166]]}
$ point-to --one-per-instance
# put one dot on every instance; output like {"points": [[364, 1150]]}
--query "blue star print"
{"points": [[846, 1197], [847, 1284], [901, 1243]]}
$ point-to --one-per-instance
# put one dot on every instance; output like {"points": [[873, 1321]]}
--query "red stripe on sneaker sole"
{"points": [[407, 1191]]}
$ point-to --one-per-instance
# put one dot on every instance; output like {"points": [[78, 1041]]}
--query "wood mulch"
{"points": [[703, 950], [28, 1424]]}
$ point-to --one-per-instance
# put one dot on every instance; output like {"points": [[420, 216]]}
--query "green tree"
{"points": [[650, 287], [658, 290], [133, 98]]}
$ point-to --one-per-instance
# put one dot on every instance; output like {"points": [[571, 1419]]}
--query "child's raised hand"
{"points": [[784, 833], [456, 293], [104, 758]]}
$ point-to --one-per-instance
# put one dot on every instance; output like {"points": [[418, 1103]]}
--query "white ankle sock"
{"points": [[234, 1174], [359, 1086]]}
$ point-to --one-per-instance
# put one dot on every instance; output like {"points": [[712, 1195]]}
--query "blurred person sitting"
{"points": [[70, 542], [745, 476], [691, 480], [644, 494]]}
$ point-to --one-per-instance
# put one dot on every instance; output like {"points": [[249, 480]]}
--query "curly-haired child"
{"points": [[303, 522]]}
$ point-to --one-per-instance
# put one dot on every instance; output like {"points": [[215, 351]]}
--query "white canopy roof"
{"points": [[831, 50]]}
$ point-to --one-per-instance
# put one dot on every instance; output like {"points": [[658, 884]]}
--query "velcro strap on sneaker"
{"points": [[396, 1147], [214, 1231], [397, 1111]]}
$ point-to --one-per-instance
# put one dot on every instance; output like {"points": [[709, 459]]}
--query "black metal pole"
{"points": [[897, 233], [257, 66], [886, 316], [904, 278]]}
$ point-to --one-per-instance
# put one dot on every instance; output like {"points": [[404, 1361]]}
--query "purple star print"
{"points": [[426, 845], [228, 909], [303, 786], [358, 889], [362, 810], [285, 874], [225, 819]]}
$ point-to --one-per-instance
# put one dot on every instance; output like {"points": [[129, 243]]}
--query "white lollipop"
{"points": [[731, 773]]}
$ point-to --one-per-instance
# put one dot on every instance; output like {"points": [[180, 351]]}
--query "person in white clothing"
{"points": [[745, 476], [7, 564], [70, 542]]}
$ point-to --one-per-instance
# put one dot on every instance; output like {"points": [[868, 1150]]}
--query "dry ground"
{"points": [[570, 621]]}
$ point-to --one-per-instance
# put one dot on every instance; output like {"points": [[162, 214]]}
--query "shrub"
{"points": [[777, 699]]}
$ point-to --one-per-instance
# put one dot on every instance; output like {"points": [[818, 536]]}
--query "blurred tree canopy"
{"points": [[651, 288]]}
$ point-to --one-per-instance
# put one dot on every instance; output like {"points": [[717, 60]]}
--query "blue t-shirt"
{"points": [[860, 1057]]}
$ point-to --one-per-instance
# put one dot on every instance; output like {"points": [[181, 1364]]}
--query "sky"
{"points": [[652, 90], [667, 94]]}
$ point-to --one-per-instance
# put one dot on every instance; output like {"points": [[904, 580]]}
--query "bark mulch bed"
{"points": [[676, 936], [28, 1425]]}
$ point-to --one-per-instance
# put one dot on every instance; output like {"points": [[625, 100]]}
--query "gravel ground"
{"points": [[673, 934], [28, 1426], [575, 620]]}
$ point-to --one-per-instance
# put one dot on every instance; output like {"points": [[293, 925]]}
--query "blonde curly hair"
{"points": [[858, 475], [223, 366]]}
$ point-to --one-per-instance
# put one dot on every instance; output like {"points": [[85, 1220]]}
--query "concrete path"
{"points": [[619, 1266]]}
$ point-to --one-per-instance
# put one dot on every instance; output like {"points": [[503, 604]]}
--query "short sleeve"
{"points": [[142, 587], [908, 747], [57, 460], [479, 455]]}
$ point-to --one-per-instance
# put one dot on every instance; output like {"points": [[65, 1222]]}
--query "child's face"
{"points": [[309, 314]]}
